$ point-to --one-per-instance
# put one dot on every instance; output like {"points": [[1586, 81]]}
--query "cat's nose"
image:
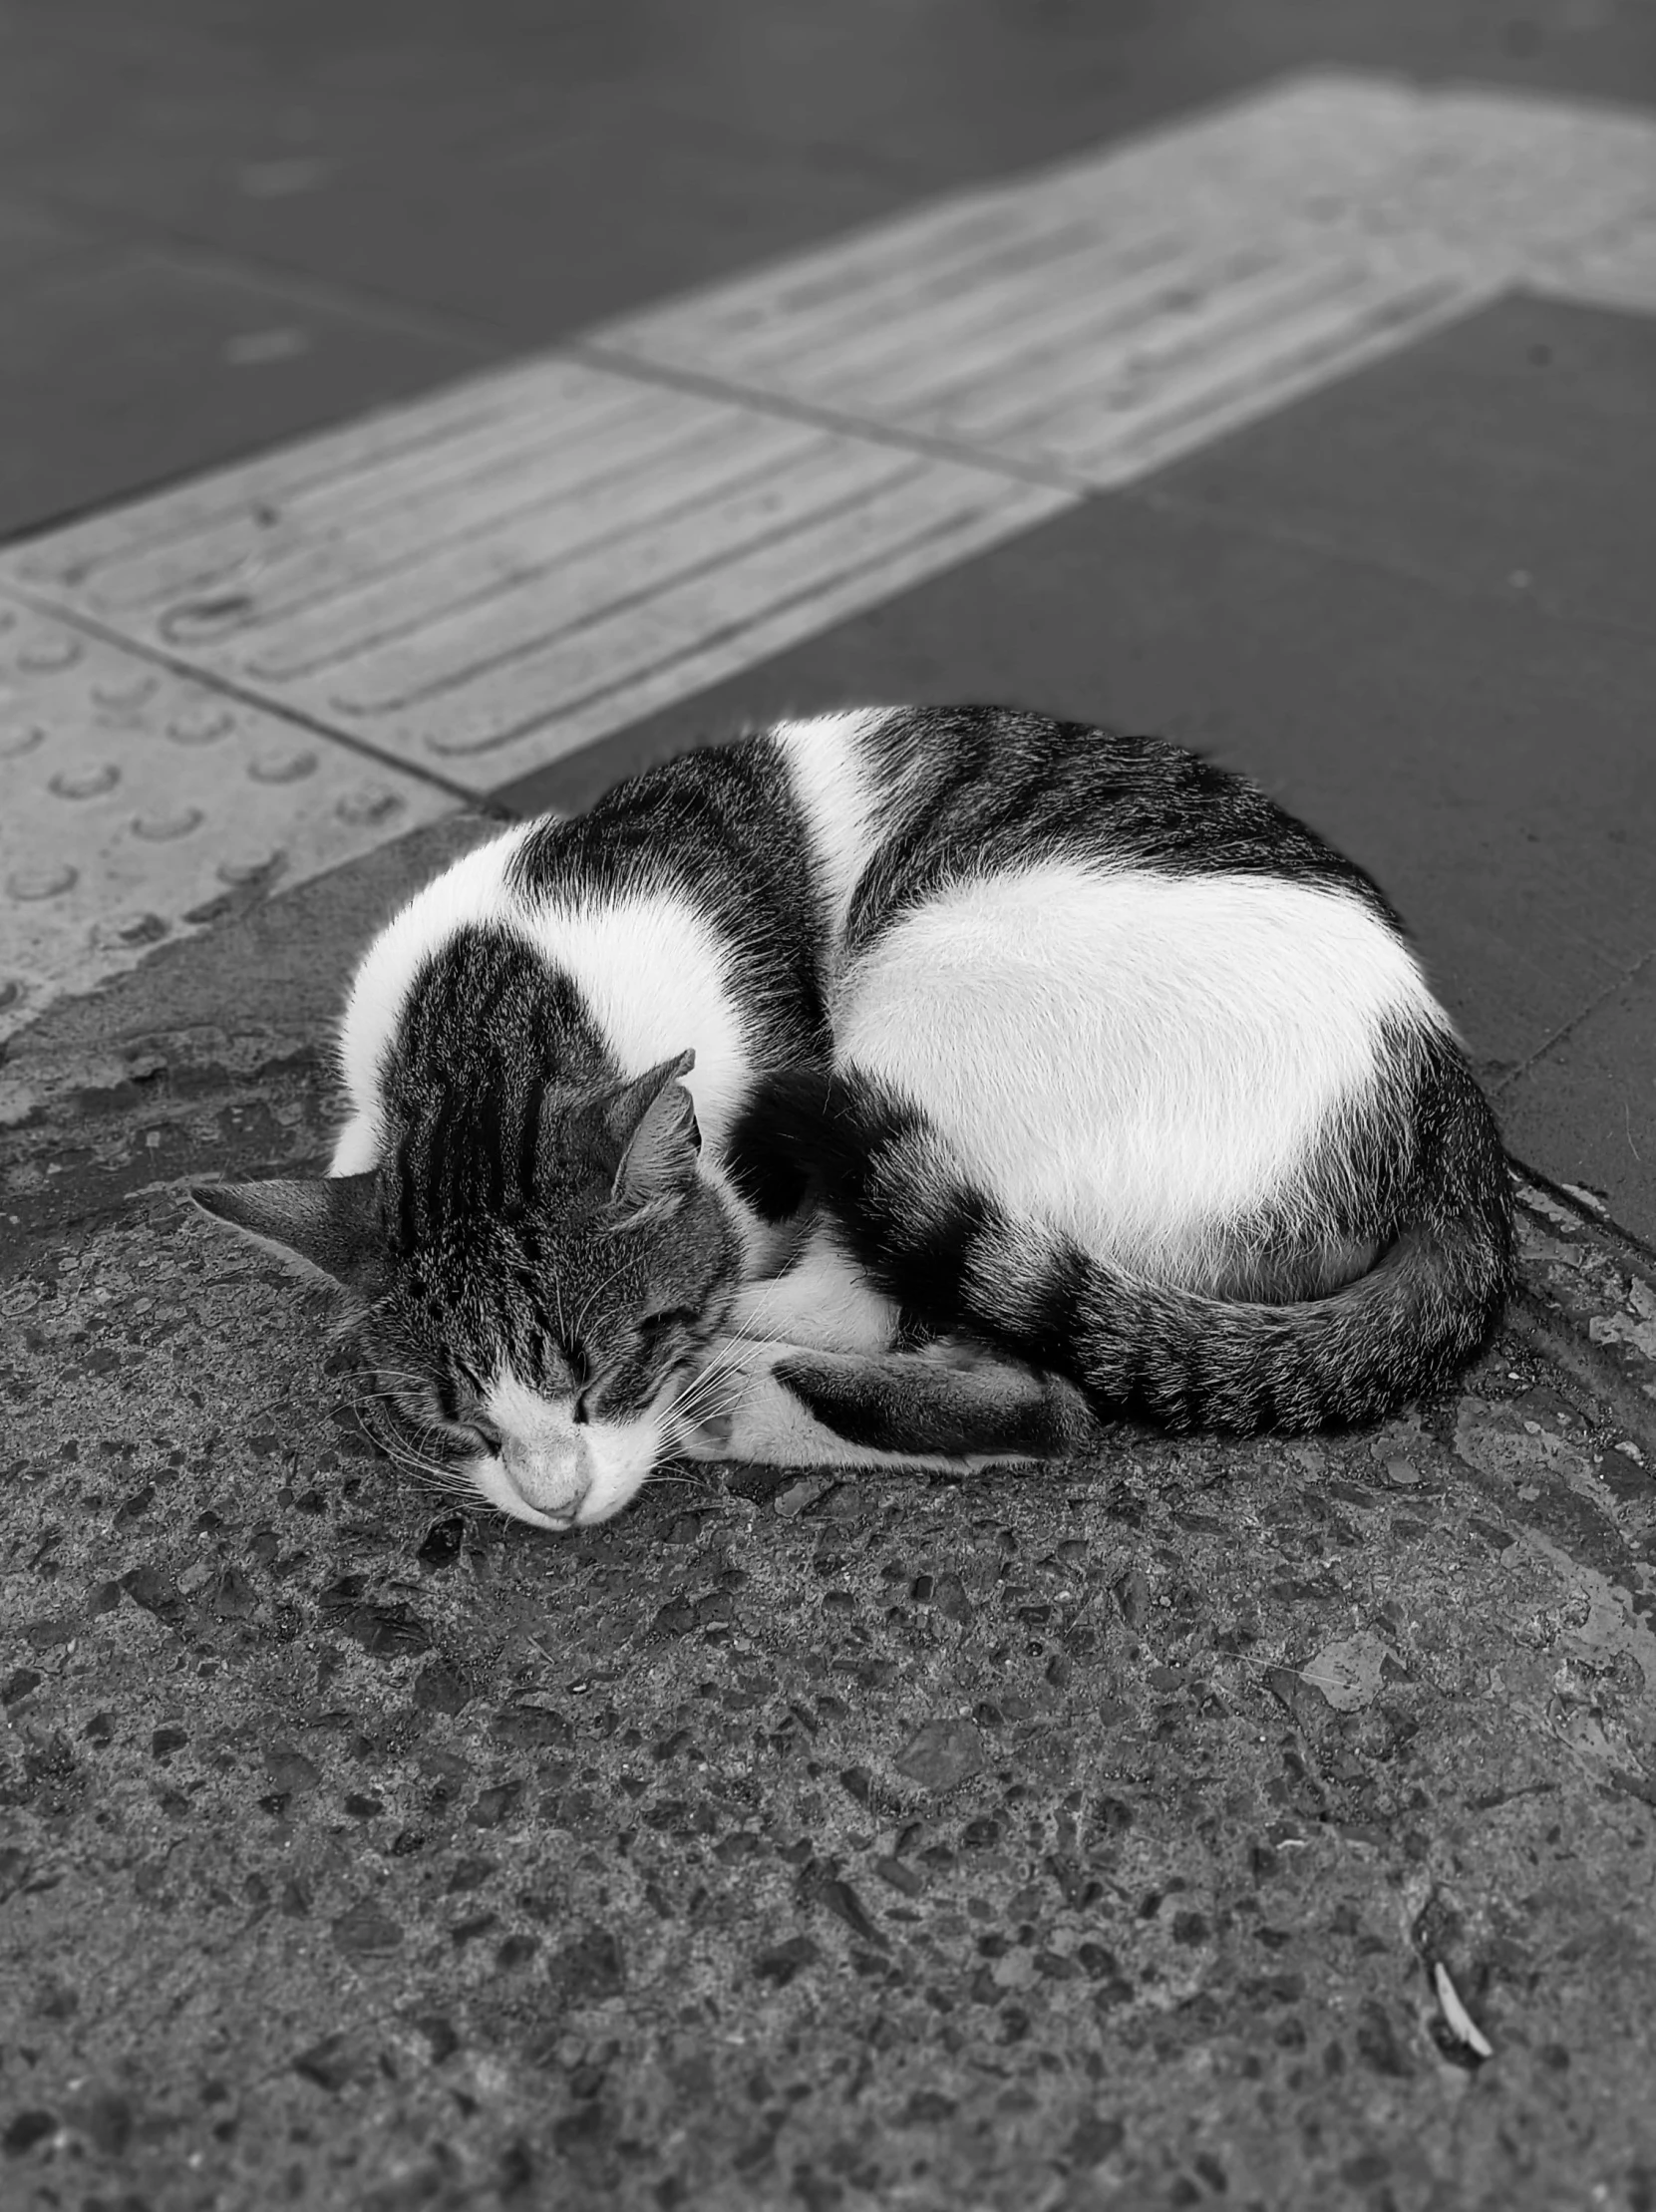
{"points": [[553, 1480]]}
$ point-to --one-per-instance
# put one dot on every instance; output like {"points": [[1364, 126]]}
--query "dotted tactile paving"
{"points": [[137, 804]]}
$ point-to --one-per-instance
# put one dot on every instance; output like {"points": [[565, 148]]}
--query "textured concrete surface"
{"points": [[1082, 1840]]}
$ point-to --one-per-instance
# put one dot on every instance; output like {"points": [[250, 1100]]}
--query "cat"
{"points": [[903, 1085]]}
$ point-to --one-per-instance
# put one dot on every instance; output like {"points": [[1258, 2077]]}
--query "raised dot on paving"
{"points": [[282, 768], [134, 930], [49, 880], [158, 828], [202, 724], [41, 655], [248, 868], [124, 693], [376, 802], [85, 783]]}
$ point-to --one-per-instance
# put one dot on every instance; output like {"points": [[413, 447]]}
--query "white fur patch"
{"points": [[837, 796], [824, 1300], [1130, 1059], [656, 978]]}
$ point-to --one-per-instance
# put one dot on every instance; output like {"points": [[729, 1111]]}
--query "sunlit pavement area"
{"points": [[416, 416]]}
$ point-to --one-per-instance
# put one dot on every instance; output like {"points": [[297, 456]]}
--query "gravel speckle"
{"points": [[942, 1754], [365, 1931]]}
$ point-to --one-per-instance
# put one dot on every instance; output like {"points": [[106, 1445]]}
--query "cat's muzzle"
{"points": [[551, 1474]]}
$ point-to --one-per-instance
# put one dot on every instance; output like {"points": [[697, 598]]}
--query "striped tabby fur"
{"points": [[922, 1085]]}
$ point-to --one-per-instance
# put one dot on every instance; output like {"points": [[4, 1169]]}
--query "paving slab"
{"points": [[1588, 1104], [133, 365], [929, 98], [1504, 455], [143, 805], [489, 226]]}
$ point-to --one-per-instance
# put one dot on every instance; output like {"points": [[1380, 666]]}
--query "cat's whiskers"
{"points": [[390, 1406], [406, 1374], [759, 1310], [444, 1481], [707, 1397], [408, 1456], [720, 1359], [698, 1399]]}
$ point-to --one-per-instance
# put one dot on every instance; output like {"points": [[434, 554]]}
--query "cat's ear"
{"points": [[654, 1117], [329, 1223]]}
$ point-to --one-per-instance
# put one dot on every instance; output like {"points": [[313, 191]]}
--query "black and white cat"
{"points": [[919, 1084]]}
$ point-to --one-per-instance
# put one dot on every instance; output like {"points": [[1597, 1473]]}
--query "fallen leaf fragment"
{"points": [[1348, 1672], [1460, 2022]]}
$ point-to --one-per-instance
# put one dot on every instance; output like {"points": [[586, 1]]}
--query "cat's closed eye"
{"points": [[668, 1319]]}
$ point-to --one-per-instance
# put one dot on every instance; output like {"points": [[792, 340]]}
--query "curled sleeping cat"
{"points": [[919, 1085]]}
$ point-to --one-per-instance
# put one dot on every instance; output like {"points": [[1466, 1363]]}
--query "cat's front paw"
{"points": [[709, 1438]]}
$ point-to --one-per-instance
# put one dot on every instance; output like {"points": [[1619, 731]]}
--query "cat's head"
{"points": [[533, 1291]]}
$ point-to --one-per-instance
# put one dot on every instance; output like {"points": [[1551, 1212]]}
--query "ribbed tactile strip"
{"points": [[1101, 319], [541, 567]]}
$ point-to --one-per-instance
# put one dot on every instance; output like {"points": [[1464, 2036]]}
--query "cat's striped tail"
{"points": [[1441, 1203]]}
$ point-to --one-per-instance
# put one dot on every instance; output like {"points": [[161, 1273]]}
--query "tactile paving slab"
{"points": [[528, 564], [142, 803], [1118, 311]]}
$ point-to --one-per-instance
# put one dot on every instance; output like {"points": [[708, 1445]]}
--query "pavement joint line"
{"points": [[1567, 1028], [817, 416], [1027, 344]]}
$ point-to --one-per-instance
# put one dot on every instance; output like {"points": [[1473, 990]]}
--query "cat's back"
{"points": [[975, 793], [719, 900], [1127, 989]]}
